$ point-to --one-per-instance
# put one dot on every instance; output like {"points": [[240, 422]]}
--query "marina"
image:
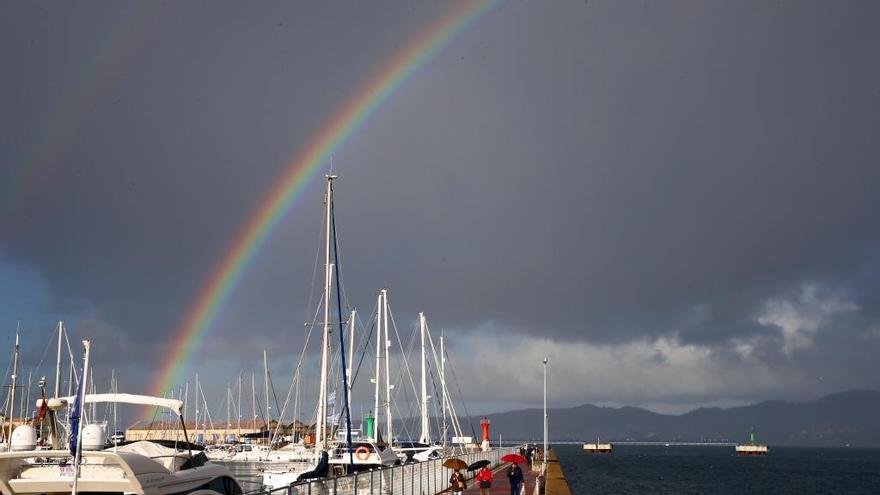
{"points": [[437, 248], [329, 456], [100, 463]]}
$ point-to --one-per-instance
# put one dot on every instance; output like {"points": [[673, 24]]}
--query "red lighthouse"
{"points": [[484, 424]]}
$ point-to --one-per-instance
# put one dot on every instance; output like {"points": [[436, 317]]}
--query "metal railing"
{"points": [[421, 478]]}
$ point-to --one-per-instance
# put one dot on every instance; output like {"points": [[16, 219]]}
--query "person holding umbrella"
{"points": [[457, 482], [515, 477], [484, 478]]}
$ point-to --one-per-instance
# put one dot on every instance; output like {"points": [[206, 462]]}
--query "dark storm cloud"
{"points": [[607, 173]]}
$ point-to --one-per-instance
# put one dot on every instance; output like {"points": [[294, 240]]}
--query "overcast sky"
{"points": [[676, 202]]}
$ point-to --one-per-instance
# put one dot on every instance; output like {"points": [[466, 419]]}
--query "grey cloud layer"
{"points": [[602, 173]]}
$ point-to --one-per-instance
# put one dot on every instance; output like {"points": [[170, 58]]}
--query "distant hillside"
{"points": [[836, 420]]}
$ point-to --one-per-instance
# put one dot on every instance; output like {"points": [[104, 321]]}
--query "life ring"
{"points": [[362, 453]]}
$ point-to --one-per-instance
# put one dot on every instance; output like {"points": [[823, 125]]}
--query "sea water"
{"points": [[718, 470], [704, 470]]}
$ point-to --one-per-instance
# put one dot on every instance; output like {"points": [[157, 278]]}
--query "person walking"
{"points": [[484, 478], [515, 477], [457, 482]]}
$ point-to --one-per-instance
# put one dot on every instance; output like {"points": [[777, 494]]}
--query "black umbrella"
{"points": [[478, 465]]}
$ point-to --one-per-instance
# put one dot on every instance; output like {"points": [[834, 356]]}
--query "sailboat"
{"points": [[371, 452], [344, 454], [422, 449], [319, 468]]}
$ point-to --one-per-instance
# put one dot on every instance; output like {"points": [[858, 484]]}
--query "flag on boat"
{"points": [[44, 406], [333, 419], [331, 398], [75, 413]]}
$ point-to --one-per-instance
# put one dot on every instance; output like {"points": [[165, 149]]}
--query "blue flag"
{"points": [[75, 413]]}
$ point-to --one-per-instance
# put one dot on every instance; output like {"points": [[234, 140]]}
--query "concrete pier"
{"points": [[555, 482]]}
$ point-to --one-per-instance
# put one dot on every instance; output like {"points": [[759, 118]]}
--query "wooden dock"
{"points": [[555, 484]]}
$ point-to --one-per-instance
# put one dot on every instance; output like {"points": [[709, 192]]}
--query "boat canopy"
{"points": [[144, 400]]}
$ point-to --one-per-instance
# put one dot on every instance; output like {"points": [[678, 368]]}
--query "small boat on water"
{"points": [[752, 448], [598, 447]]}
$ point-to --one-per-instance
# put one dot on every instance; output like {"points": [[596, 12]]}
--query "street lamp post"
{"points": [[544, 467]]}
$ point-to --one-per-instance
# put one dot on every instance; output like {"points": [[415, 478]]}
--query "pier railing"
{"points": [[420, 478]]}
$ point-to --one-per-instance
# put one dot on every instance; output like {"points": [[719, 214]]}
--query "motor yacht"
{"points": [[142, 467]]}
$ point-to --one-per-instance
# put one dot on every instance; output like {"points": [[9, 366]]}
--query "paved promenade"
{"points": [[500, 486], [556, 484]]}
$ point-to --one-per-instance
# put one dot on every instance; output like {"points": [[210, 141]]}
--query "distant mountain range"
{"points": [[847, 418]]}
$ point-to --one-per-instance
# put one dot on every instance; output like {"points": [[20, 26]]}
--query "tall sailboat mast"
{"points": [[79, 423], [351, 355], [266, 386], [115, 388], [58, 360], [389, 420], [379, 346], [197, 404], [425, 437], [254, 399], [53, 424], [228, 419], [443, 386], [320, 424], [11, 414]]}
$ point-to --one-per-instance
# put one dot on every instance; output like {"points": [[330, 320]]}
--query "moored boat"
{"points": [[598, 447], [141, 467], [752, 448]]}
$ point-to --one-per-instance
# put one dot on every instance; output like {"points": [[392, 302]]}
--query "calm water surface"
{"points": [[717, 470], [705, 470]]}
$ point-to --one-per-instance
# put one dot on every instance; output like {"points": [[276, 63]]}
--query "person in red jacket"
{"points": [[484, 478]]}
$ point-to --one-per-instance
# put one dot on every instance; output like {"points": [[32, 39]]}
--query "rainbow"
{"points": [[253, 235]]}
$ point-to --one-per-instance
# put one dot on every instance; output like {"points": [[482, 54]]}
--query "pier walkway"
{"points": [[555, 485]]}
